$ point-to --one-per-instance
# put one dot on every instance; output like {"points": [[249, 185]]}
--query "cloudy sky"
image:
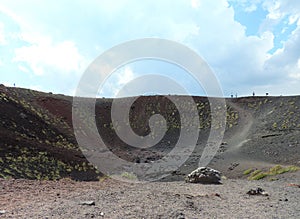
{"points": [[250, 45]]}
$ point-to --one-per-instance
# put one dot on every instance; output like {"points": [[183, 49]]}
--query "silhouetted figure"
{"points": [[14, 84], [253, 94], [267, 94]]}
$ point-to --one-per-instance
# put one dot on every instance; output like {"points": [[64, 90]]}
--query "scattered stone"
{"points": [[294, 185], [179, 215], [89, 203], [204, 175], [137, 160], [90, 215], [258, 191], [233, 166], [2, 212], [189, 196], [224, 177], [190, 204], [23, 116], [217, 195], [283, 200]]}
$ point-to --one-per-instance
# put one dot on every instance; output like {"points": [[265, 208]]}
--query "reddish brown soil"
{"points": [[61, 108]]}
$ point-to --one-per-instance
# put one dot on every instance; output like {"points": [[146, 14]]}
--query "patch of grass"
{"points": [[30, 164], [103, 178], [258, 176], [276, 170], [279, 170], [130, 176], [248, 171], [256, 172]]}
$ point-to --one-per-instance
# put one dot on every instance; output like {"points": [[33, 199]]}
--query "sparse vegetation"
{"points": [[248, 171], [130, 176], [44, 127], [258, 175], [273, 171]]}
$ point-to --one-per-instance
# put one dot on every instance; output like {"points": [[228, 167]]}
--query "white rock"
{"points": [[90, 203], [204, 175]]}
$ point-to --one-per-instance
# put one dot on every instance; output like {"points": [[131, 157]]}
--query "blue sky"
{"points": [[250, 45]]}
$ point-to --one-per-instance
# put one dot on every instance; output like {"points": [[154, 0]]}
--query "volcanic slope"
{"points": [[37, 140]]}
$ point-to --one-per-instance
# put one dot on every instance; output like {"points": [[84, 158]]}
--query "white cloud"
{"points": [[43, 55], [182, 31], [209, 27], [251, 8], [273, 8], [237, 59], [23, 69], [293, 70], [2, 37], [12, 15], [285, 61], [125, 76], [294, 18], [284, 66], [250, 65], [279, 9], [195, 3], [116, 81]]}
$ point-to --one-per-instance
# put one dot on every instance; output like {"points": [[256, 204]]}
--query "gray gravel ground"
{"points": [[167, 200]]}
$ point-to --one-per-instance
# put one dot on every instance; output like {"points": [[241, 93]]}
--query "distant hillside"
{"points": [[37, 139]]}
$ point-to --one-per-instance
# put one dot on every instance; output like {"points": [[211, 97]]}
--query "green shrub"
{"points": [[277, 169], [130, 176], [248, 171], [258, 176], [256, 172]]}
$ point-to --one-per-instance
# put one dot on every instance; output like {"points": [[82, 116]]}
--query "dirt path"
{"points": [[245, 123], [232, 161]]}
